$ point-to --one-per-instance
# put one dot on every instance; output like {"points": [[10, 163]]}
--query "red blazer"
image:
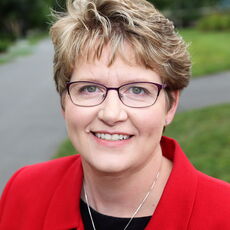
{"points": [[46, 196]]}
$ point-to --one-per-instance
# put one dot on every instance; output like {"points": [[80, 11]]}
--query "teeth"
{"points": [[113, 137]]}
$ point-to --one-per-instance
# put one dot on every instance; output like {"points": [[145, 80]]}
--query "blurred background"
{"points": [[31, 126], [21, 18]]}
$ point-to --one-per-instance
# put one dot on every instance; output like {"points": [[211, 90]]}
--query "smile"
{"points": [[112, 137]]}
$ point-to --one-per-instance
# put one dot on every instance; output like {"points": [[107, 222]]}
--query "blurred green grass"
{"points": [[65, 149], [203, 134], [22, 47], [210, 51]]}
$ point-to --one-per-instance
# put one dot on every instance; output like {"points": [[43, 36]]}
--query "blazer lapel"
{"points": [[63, 212], [175, 207]]}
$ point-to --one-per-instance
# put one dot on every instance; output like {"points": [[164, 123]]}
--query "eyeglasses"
{"points": [[135, 94]]}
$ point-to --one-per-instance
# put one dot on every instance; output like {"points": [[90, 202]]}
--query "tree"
{"points": [[184, 12], [19, 16]]}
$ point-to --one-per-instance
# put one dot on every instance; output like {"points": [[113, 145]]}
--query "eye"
{"points": [[137, 90], [89, 89]]}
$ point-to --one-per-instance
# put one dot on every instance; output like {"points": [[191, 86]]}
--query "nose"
{"points": [[112, 110]]}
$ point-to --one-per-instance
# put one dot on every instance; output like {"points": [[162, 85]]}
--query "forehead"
{"points": [[124, 67], [108, 54]]}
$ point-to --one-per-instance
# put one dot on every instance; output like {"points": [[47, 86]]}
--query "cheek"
{"points": [[75, 119], [76, 124], [78, 119], [150, 122]]}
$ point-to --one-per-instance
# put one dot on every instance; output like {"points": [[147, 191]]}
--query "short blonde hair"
{"points": [[89, 25]]}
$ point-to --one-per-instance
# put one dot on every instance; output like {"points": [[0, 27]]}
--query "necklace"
{"points": [[136, 211]]}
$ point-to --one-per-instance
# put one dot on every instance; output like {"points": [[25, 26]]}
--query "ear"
{"points": [[63, 111], [62, 103], [172, 110]]}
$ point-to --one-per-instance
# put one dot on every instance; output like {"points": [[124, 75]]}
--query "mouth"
{"points": [[112, 137]]}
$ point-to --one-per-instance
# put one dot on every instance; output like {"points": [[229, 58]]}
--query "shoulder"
{"points": [[41, 177], [212, 185], [212, 203], [31, 189], [45, 170], [213, 191]]}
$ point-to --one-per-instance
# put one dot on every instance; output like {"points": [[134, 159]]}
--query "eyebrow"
{"points": [[100, 81]]}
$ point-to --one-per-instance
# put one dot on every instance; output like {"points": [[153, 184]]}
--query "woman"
{"points": [[119, 68]]}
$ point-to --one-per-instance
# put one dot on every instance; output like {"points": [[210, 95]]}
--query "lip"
{"points": [[110, 143], [111, 133]]}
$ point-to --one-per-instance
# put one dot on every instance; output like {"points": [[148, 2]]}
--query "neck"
{"points": [[120, 194]]}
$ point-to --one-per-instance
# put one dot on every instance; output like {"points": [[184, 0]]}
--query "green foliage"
{"points": [[36, 35], [20, 16], [58, 5], [204, 136], [20, 48], [181, 4], [65, 149], [161, 4], [4, 44], [215, 22], [184, 13], [210, 51]]}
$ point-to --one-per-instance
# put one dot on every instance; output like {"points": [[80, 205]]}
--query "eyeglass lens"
{"points": [[137, 94]]}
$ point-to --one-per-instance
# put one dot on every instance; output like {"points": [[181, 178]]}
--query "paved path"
{"points": [[205, 91], [31, 126]]}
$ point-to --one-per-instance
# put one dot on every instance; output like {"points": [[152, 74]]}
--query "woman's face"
{"points": [[141, 126]]}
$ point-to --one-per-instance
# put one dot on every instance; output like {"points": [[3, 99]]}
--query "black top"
{"points": [[103, 222]]}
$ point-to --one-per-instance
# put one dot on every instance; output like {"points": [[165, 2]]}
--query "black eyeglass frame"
{"points": [[159, 87]]}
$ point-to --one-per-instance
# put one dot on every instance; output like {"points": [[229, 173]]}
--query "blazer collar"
{"points": [[173, 210], [175, 207]]}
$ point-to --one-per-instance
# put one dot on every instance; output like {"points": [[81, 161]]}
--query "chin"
{"points": [[110, 167]]}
